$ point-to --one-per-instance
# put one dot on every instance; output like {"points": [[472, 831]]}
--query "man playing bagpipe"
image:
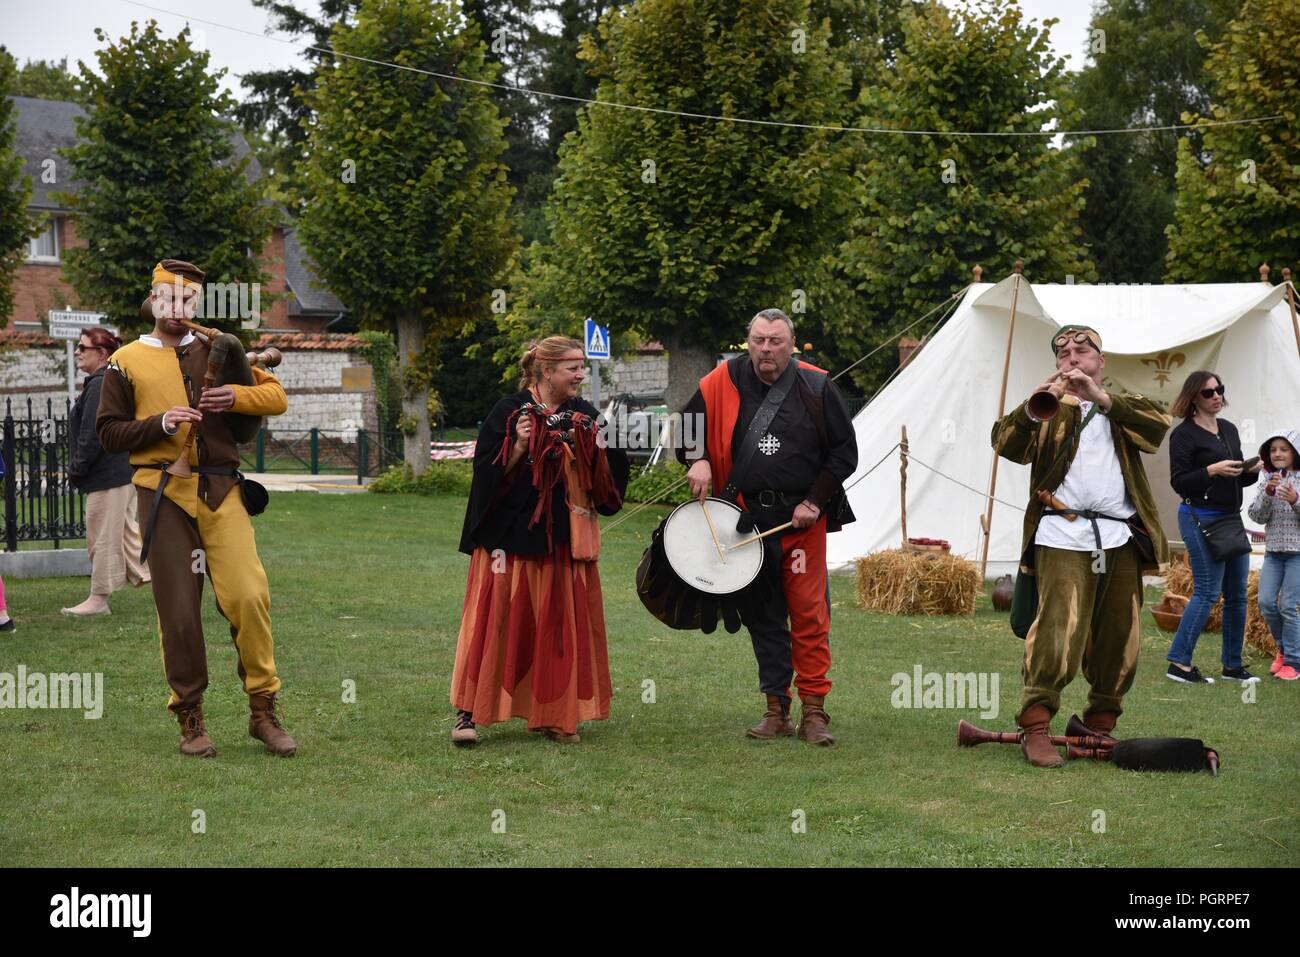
{"points": [[199, 521], [779, 442]]}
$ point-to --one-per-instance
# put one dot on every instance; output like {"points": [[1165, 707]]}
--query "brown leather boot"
{"points": [[814, 719], [1036, 723], [194, 737], [266, 727], [776, 721], [1101, 723]]}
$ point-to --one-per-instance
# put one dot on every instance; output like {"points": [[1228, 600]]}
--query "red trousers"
{"points": [[791, 631]]}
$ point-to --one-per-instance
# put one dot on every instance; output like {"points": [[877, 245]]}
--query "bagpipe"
{"points": [[1133, 754], [564, 446]]}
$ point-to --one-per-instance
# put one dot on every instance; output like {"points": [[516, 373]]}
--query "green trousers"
{"points": [[1084, 618]]}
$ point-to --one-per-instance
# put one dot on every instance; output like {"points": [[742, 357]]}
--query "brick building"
{"points": [[43, 128], [327, 379]]}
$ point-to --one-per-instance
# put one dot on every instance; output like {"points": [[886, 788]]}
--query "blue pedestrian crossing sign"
{"points": [[597, 340]]}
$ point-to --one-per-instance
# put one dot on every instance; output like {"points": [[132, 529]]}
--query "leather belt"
{"points": [[770, 498], [147, 533], [1090, 515]]}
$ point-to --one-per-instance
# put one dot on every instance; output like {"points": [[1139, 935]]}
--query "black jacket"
{"points": [[817, 450], [1191, 451], [91, 469], [501, 505]]}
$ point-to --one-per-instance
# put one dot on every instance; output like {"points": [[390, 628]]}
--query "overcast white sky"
{"points": [[53, 29]]}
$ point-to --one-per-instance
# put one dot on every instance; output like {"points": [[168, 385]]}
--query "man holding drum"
{"points": [[779, 441]]}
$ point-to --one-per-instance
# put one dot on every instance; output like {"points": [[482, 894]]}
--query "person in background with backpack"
{"points": [[112, 531], [1091, 530], [794, 472], [1277, 508]]}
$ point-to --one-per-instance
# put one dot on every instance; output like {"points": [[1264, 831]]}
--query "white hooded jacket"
{"points": [[1280, 518]]}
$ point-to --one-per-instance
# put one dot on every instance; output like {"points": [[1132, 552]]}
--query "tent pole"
{"points": [[1290, 301], [987, 521], [902, 492]]}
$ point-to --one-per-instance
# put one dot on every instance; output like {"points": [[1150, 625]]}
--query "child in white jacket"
{"points": [[1277, 508]]}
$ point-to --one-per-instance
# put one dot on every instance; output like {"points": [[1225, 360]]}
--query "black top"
{"points": [[810, 448], [1192, 450], [92, 469], [501, 505]]}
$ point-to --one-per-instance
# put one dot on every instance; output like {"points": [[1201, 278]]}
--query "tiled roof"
{"points": [[41, 128], [45, 126], [335, 341], [26, 337], [301, 280]]}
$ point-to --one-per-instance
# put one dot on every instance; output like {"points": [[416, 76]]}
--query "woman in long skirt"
{"points": [[532, 634]]}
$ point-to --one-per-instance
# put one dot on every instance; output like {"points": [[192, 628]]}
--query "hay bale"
{"points": [[917, 583], [1178, 579]]}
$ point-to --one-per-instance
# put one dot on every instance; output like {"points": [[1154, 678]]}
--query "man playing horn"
{"points": [[198, 522], [790, 470], [1091, 531]]}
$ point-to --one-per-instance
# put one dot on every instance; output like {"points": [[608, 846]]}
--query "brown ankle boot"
{"points": [[814, 719], [776, 721], [266, 727], [1036, 723], [1101, 723], [194, 737]]}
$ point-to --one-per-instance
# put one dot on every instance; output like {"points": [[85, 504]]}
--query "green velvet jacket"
{"points": [[1137, 425]]}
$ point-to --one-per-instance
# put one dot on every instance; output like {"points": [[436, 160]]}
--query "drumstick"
{"points": [[716, 544], [770, 531]]}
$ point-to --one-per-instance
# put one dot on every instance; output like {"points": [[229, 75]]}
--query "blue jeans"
{"points": [[1212, 579], [1281, 573]]}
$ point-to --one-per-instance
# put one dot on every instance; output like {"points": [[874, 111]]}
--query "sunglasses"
{"points": [[80, 348], [1211, 393]]}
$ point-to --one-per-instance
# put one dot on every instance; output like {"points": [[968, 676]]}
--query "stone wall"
{"points": [[312, 377], [639, 373]]}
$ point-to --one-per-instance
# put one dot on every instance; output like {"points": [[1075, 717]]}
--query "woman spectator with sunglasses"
{"points": [[112, 531], [1207, 471]]}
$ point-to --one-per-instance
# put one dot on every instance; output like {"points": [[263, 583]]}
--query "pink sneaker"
{"points": [[1287, 673], [1277, 664]]}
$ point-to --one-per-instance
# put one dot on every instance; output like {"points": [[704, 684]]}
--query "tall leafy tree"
{"points": [[16, 224], [933, 206], [274, 113], [47, 80], [409, 220], [155, 157], [681, 228], [1238, 200], [1146, 69]]}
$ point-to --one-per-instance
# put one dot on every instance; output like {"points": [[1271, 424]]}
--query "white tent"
{"points": [[947, 396]]}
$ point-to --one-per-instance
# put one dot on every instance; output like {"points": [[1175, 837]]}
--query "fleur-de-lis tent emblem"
{"points": [[1165, 363]]}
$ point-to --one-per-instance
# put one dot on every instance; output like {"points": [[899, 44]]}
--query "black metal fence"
{"points": [[40, 503]]}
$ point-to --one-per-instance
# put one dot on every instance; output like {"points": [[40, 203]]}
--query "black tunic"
{"points": [[501, 506], [812, 451]]}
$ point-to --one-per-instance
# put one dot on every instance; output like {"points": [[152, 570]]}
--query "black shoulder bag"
{"points": [[1225, 537]]}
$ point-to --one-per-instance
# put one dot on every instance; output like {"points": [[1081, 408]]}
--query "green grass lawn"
{"points": [[368, 588]]}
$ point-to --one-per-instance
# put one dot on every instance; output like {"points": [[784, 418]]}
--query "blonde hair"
{"points": [[548, 352]]}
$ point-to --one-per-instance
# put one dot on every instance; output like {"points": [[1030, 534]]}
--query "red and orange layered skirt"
{"points": [[532, 641]]}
